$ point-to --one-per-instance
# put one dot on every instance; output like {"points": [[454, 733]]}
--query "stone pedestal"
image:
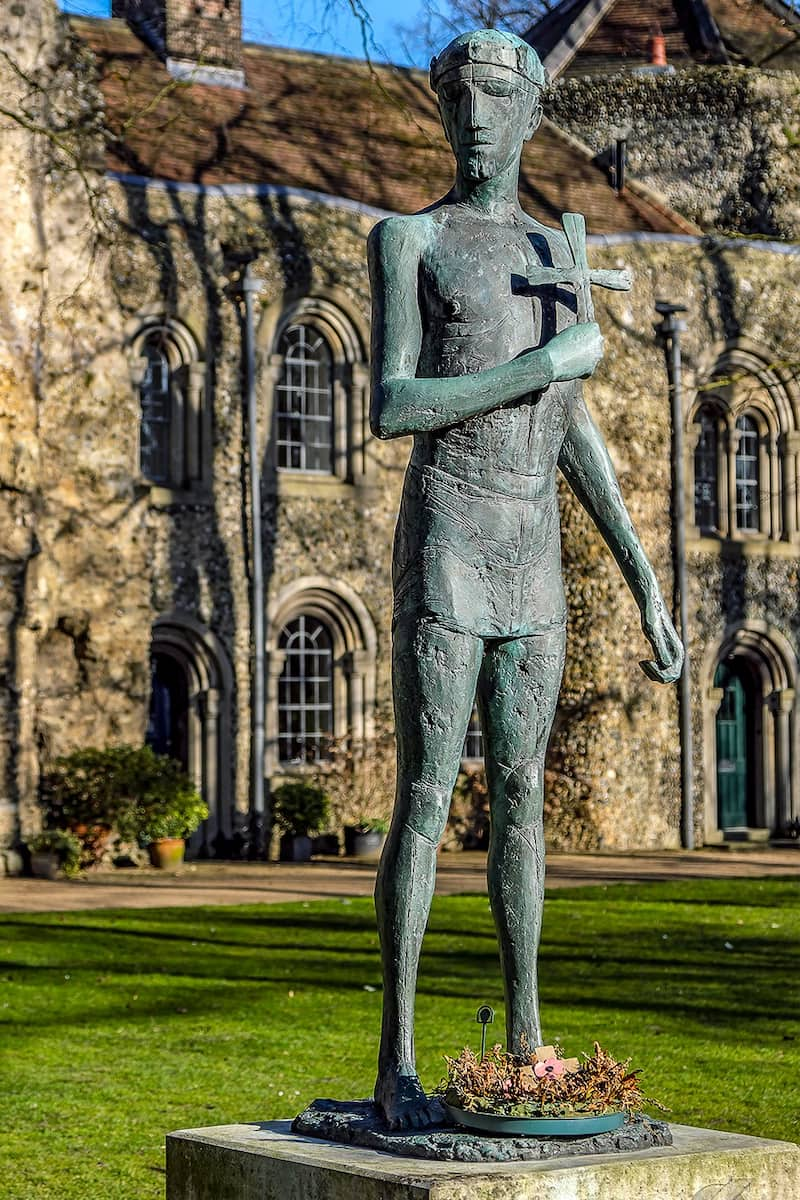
{"points": [[267, 1162]]}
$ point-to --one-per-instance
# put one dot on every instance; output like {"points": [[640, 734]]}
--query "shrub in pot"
{"points": [[55, 852], [91, 793], [168, 808], [299, 807]]}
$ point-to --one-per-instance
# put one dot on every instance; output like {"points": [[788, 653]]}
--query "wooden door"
{"points": [[733, 765]]}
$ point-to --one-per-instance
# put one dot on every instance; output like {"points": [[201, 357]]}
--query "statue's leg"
{"points": [[517, 695], [434, 673]]}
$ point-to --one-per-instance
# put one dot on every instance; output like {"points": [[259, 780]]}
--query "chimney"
{"points": [[658, 49], [199, 40]]}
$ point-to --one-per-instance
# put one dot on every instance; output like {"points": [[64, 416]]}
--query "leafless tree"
{"points": [[439, 20]]}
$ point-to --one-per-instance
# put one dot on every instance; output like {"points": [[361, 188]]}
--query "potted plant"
{"points": [[359, 777], [299, 807], [168, 808], [55, 852], [365, 839]]}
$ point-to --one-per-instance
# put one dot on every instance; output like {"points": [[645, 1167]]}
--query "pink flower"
{"points": [[552, 1067]]}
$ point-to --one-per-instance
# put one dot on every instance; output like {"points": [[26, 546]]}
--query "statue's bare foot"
{"points": [[401, 1100]]}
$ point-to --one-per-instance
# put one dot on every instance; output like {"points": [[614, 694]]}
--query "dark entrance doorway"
{"points": [[168, 724], [737, 738]]}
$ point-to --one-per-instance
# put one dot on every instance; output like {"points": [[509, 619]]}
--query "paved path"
{"points": [[271, 883]]}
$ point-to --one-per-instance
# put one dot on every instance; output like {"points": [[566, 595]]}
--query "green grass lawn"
{"points": [[121, 1025]]}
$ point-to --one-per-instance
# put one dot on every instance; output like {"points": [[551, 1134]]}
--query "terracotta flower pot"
{"points": [[167, 853]]}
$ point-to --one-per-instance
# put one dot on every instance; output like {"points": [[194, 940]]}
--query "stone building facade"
{"points": [[138, 197]]}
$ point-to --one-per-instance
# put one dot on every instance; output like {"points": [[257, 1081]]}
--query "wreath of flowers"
{"points": [[542, 1083]]}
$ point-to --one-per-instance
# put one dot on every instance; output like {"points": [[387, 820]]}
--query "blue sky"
{"points": [[328, 27]]}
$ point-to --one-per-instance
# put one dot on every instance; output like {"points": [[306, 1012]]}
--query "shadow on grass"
{"points": [[614, 957]]}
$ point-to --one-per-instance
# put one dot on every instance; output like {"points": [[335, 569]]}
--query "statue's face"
{"points": [[487, 114]]}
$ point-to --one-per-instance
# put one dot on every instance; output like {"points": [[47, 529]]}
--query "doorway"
{"points": [[737, 744]]}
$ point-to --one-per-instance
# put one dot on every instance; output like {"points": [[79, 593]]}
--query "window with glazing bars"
{"points": [[156, 411], [473, 742], [305, 692], [705, 473], [747, 476], [304, 402]]}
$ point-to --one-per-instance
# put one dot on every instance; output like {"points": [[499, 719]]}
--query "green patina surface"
{"points": [[483, 327]]}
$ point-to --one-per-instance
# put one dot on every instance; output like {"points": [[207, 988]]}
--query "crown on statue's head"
{"points": [[491, 48]]}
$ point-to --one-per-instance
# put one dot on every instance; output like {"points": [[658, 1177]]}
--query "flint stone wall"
{"points": [[92, 556], [720, 143]]}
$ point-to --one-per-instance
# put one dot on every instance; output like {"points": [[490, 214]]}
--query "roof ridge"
{"points": [[588, 15]]}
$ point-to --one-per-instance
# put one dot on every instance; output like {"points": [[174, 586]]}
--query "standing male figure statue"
{"points": [[487, 379]]}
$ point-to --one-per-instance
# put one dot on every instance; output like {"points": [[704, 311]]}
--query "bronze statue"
{"points": [[479, 347]]}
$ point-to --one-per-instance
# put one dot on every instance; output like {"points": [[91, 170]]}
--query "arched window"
{"points": [[748, 499], [174, 426], [320, 382], [156, 411], [321, 651], [305, 691], [706, 501], [304, 401], [746, 449]]}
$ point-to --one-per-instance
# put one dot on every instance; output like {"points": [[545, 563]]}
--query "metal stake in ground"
{"points": [[484, 1016]]}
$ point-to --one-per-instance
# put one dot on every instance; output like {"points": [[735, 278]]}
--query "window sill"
{"points": [[752, 546], [300, 483], [166, 497]]}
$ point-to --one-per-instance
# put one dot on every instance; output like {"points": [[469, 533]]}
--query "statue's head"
{"points": [[489, 86]]}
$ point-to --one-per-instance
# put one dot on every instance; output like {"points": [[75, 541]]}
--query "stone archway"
{"points": [[751, 767], [191, 714]]}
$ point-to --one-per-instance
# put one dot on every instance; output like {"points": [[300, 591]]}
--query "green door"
{"points": [[732, 745]]}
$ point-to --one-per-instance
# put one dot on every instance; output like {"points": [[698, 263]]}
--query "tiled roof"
{"points": [[337, 126], [584, 37]]}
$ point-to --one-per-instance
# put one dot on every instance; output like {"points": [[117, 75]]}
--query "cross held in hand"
{"points": [[579, 274]]}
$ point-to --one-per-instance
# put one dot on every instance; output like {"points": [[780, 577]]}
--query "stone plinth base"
{"points": [[267, 1162], [357, 1123]]}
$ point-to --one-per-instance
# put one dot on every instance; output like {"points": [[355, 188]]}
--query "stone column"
{"points": [[729, 444], [790, 449], [198, 446], [363, 465], [782, 704], [341, 420], [217, 819], [769, 491], [275, 664], [694, 431]]}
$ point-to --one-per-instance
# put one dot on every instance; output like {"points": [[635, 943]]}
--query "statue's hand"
{"points": [[575, 352], [663, 637]]}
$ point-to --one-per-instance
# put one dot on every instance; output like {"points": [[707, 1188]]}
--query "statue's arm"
{"points": [[587, 467], [402, 403]]}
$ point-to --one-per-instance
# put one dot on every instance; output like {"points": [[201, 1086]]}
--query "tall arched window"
{"points": [[304, 401], [746, 451], [174, 425], [321, 649], [706, 501], [748, 499], [156, 411], [305, 691], [317, 368]]}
